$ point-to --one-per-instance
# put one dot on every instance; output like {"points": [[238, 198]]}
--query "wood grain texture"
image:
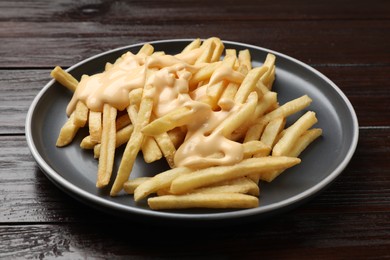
{"points": [[32, 44], [106, 10], [337, 235], [348, 41]]}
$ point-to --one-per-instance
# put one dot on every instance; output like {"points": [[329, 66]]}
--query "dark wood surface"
{"points": [[348, 41]]}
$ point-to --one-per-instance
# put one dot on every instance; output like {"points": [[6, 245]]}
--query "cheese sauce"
{"points": [[169, 81]]}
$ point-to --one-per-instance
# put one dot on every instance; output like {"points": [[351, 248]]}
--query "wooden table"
{"points": [[348, 41]]}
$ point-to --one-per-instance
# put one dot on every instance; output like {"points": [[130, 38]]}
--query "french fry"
{"points": [[146, 49], [288, 108], [237, 119], [268, 101], [249, 84], [254, 132], [272, 130], [158, 54], [239, 185], [160, 181], [293, 133], [149, 146], [87, 143], [130, 185], [226, 101], [256, 148], [177, 136], [199, 200], [214, 91], [95, 126], [208, 176], [268, 77], [122, 136], [68, 132], [169, 121], [193, 45], [244, 58], [219, 47], [150, 150], [81, 114], [304, 140], [208, 51], [63, 77], [134, 144], [167, 147], [122, 121], [203, 74], [231, 52], [107, 154]]}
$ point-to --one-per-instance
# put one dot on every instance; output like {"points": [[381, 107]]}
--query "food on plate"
{"points": [[207, 110]]}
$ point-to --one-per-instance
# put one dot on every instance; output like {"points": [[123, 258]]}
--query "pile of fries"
{"points": [[255, 123]]}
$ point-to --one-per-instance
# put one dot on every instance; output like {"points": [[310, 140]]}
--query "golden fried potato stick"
{"points": [[108, 66], [121, 137], [208, 51], [267, 103], [107, 153], [238, 118], [254, 126], [95, 126], [254, 132], [169, 121], [132, 184], [199, 200], [240, 185], [63, 77], [231, 52], [68, 132], [122, 121], [272, 131], [214, 91], [160, 181], [255, 148], [158, 54], [244, 58], [177, 136], [87, 143], [304, 140], [167, 147], [292, 133], [205, 177], [203, 74], [249, 84], [81, 114], [226, 101], [191, 46], [268, 78], [134, 144], [288, 108], [150, 150], [146, 49], [219, 47]]}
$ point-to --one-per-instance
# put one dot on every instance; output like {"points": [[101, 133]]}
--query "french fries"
{"points": [[213, 117]]}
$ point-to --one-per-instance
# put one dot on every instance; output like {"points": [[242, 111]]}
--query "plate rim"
{"points": [[83, 195]]}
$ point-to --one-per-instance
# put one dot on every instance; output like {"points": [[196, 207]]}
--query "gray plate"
{"points": [[74, 170]]}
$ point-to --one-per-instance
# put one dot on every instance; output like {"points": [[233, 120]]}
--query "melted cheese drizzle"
{"points": [[202, 147]]}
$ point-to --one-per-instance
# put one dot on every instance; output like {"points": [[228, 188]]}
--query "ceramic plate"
{"points": [[74, 170]]}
